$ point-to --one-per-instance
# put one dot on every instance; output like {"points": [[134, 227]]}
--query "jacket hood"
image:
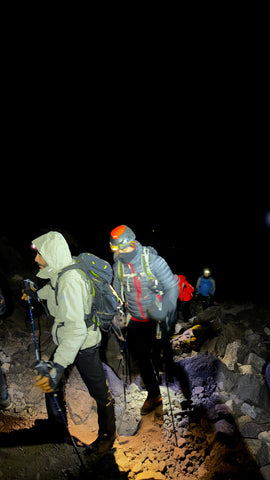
{"points": [[140, 249], [54, 249]]}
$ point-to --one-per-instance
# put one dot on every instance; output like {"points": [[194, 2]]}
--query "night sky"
{"points": [[179, 155], [194, 217]]}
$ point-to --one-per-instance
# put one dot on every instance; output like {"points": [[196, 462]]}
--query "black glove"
{"points": [[50, 374], [160, 309], [29, 290]]}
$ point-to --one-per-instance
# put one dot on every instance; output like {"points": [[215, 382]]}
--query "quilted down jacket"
{"points": [[141, 295]]}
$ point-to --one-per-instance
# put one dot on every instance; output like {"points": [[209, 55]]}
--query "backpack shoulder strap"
{"points": [[146, 263], [120, 276], [75, 266], [147, 270]]}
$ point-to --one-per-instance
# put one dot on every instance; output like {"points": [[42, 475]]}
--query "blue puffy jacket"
{"points": [[140, 295], [206, 286]]}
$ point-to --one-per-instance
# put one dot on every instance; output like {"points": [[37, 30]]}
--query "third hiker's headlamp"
{"points": [[206, 272]]}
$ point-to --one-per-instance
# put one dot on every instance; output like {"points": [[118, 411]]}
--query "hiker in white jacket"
{"points": [[76, 342]]}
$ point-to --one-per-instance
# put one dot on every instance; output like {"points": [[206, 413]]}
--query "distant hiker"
{"points": [[5, 401], [148, 288], [205, 288], [76, 342], [185, 296]]}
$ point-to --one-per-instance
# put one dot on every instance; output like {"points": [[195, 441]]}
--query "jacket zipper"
{"points": [[138, 289]]}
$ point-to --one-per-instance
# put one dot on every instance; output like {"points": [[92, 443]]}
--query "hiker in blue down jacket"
{"points": [[205, 288], [75, 341], [148, 288]]}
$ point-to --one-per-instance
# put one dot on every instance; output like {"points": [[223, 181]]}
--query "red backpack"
{"points": [[185, 289]]}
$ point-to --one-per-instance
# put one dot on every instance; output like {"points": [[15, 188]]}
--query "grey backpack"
{"points": [[105, 300]]}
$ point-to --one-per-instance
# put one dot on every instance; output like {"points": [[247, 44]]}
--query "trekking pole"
{"points": [[169, 398], [170, 403], [29, 285], [118, 333], [128, 366], [61, 414], [43, 369], [124, 373], [33, 326]]}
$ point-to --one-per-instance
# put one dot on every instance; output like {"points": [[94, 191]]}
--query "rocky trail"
{"points": [[223, 435]]}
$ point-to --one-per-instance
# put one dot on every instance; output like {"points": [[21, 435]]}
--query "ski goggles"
{"points": [[122, 246]]}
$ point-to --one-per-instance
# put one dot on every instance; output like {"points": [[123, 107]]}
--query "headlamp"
{"points": [[33, 247], [206, 271], [114, 248]]}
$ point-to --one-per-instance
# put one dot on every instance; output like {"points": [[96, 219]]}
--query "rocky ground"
{"points": [[224, 435]]}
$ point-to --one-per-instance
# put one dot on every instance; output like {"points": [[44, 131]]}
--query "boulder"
{"points": [[256, 362], [259, 451], [252, 389], [253, 429], [200, 369], [235, 353]]}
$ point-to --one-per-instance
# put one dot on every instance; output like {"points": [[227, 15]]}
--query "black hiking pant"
{"points": [[141, 337], [91, 370]]}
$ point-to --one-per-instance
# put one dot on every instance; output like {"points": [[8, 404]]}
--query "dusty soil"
{"points": [[145, 447], [151, 451]]}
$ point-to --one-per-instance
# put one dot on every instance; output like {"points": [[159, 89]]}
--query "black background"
{"points": [[171, 139]]}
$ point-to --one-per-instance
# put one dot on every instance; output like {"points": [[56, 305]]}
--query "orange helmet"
{"points": [[121, 237]]}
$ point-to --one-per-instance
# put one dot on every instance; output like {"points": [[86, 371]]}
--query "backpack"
{"points": [[153, 283], [105, 300], [185, 289], [145, 263]]}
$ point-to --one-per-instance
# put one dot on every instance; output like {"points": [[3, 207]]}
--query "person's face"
{"points": [[40, 261], [126, 250]]}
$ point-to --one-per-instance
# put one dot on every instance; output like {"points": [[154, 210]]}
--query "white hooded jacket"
{"points": [[74, 299]]}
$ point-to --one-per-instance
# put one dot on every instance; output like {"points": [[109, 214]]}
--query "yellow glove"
{"points": [[50, 376], [44, 384], [30, 292], [24, 296]]}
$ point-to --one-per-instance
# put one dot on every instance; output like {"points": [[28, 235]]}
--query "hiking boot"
{"points": [[151, 404], [5, 404], [101, 445], [159, 418]]}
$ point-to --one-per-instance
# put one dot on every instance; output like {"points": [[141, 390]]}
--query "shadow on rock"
{"points": [[213, 441]]}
